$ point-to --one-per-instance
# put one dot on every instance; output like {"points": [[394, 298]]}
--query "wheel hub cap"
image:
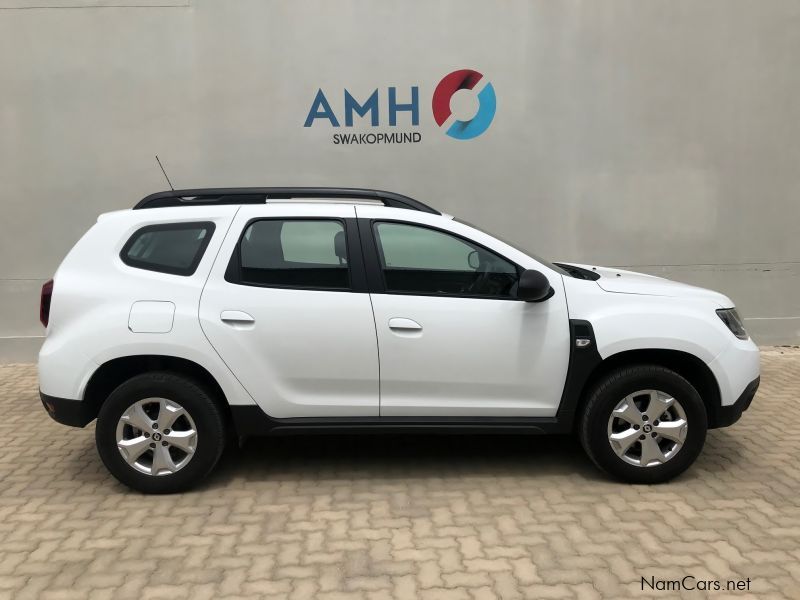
{"points": [[156, 436], [647, 428]]}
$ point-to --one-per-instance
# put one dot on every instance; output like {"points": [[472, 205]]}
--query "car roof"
{"points": [[221, 196]]}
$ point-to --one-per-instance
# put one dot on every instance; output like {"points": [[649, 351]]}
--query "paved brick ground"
{"points": [[378, 518]]}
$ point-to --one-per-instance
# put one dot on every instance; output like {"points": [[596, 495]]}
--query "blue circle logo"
{"points": [[464, 79]]}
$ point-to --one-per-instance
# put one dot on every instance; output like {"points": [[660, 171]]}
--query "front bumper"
{"points": [[728, 415], [735, 368], [74, 413]]}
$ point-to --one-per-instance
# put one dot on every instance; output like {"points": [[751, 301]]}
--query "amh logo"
{"points": [[369, 110], [465, 79], [321, 108]]}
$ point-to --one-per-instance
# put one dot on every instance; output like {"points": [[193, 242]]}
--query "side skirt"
{"points": [[252, 421]]}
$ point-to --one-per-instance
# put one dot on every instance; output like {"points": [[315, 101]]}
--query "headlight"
{"points": [[731, 318]]}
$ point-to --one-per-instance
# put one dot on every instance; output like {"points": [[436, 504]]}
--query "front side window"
{"points": [[174, 248], [420, 260], [299, 253]]}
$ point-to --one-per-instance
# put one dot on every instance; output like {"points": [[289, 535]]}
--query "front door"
{"points": [[283, 309], [453, 339]]}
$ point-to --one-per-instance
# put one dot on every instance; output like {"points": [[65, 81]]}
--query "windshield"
{"points": [[546, 263]]}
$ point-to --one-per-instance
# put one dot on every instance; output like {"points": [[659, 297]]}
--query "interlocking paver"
{"points": [[401, 517]]}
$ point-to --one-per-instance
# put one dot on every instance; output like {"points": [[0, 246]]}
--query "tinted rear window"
{"points": [[174, 248], [293, 253]]}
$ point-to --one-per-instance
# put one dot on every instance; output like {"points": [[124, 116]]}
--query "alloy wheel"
{"points": [[647, 428], [156, 436]]}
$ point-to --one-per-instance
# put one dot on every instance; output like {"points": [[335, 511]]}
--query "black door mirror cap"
{"points": [[533, 286]]}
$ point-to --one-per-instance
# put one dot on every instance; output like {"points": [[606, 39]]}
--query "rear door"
{"points": [[286, 308]]}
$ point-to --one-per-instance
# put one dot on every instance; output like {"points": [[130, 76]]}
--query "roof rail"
{"points": [[218, 196]]}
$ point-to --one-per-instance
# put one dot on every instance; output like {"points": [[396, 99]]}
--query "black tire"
{"points": [[194, 398], [610, 390]]}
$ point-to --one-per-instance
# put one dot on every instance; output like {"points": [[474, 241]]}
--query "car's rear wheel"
{"points": [[160, 432], [643, 424]]}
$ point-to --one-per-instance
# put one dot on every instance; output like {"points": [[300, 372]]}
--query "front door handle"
{"points": [[236, 317], [403, 324]]}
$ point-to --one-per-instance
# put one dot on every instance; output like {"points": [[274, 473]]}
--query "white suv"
{"points": [[204, 313]]}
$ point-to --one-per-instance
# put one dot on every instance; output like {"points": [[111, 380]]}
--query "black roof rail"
{"points": [[218, 196]]}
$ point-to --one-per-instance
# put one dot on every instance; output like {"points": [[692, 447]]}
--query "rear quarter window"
{"points": [[174, 248]]}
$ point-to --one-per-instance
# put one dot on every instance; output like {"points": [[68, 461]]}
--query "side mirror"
{"points": [[533, 286]]}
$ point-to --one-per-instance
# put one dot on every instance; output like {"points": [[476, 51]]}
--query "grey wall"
{"points": [[660, 135]]}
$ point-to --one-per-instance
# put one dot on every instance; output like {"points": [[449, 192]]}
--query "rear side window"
{"points": [[174, 248], [293, 253]]}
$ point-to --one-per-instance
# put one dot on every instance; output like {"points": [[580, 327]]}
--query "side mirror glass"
{"points": [[473, 260], [533, 286]]}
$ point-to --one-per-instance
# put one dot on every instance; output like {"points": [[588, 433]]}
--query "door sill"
{"points": [[251, 421]]}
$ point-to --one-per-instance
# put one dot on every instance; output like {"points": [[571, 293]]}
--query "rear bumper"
{"points": [[728, 415], [74, 413]]}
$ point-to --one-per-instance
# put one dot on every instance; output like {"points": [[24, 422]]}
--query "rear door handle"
{"points": [[403, 324], [236, 317]]}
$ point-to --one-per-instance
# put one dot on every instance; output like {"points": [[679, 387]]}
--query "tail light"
{"points": [[44, 302]]}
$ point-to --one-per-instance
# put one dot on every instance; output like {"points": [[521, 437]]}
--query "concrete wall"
{"points": [[662, 136]]}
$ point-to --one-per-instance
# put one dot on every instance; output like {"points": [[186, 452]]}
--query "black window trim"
{"points": [[355, 263], [377, 278], [207, 226]]}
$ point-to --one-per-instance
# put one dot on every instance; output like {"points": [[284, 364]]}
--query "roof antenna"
{"points": [[165, 173]]}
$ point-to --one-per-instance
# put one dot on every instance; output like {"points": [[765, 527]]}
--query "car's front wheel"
{"points": [[643, 424], [160, 432]]}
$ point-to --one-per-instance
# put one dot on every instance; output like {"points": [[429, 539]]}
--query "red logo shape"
{"points": [[465, 79]]}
